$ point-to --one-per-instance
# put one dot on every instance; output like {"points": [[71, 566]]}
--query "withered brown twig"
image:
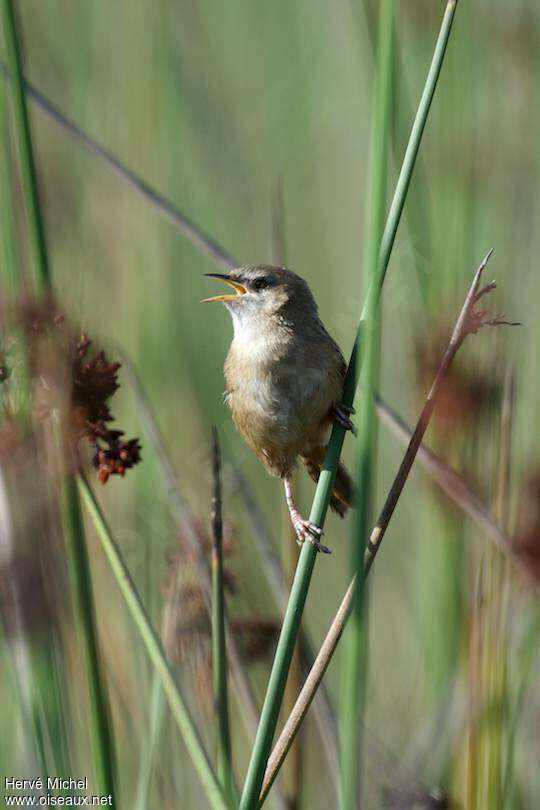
{"points": [[450, 482], [470, 321]]}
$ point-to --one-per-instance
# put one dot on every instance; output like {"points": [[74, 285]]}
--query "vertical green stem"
{"points": [[293, 767], [494, 742], [219, 653], [415, 139], [102, 744], [417, 212], [26, 152], [82, 591], [355, 654], [8, 266], [35, 661], [306, 563]]}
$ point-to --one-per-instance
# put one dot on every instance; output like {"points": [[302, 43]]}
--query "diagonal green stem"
{"points": [[304, 570], [24, 137], [155, 651]]}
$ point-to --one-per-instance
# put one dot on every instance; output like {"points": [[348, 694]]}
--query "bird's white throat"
{"points": [[255, 335]]}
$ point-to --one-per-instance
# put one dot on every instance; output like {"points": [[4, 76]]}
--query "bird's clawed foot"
{"points": [[341, 414], [306, 530]]}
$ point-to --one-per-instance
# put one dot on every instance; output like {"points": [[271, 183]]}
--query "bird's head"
{"points": [[263, 290]]}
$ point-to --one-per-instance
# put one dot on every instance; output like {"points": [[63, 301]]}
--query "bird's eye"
{"points": [[259, 284]]}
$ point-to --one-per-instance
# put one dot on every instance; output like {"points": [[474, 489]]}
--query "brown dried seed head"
{"points": [[95, 380]]}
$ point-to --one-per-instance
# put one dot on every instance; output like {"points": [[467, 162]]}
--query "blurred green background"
{"points": [[218, 106]]}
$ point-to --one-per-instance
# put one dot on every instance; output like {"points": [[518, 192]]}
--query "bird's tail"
{"points": [[343, 489]]}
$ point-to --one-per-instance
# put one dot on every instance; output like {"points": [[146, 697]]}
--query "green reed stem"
{"points": [[8, 266], [82, 590], [38, 243], [355, 649], [153, 645], [306, 563], [417, 213], [219, 652], [102, 742], [17, 368]]}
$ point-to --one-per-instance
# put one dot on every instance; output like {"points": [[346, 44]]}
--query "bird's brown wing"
{"points": [[333, 354]]}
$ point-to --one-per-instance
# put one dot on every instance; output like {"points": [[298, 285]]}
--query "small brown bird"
{"points": [[284, 377]]}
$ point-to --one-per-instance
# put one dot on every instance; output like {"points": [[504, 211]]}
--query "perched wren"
{"points": [[284, 376]]}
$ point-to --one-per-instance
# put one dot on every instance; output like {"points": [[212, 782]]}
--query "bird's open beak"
{"points": [[239, 289]]}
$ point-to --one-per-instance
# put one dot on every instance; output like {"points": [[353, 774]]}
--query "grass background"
{"points": [[216, 105]]}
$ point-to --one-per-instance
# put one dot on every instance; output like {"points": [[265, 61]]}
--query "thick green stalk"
{"points": [[304, 570], [355, 653], [102, 743], [8, 265], [219, 652], [26, 153], [417, 213], [82, 589], [35, 661], [155, 651], [415, 138]]}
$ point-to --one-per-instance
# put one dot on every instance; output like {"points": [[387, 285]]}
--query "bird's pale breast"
{"points": [[281, 393]]}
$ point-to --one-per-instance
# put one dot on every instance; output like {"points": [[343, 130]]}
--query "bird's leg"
{"points": [[305, 529], [341, 414]]}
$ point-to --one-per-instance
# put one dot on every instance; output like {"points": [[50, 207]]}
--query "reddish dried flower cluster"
{"points": [[117, 457], [95, 380]]}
